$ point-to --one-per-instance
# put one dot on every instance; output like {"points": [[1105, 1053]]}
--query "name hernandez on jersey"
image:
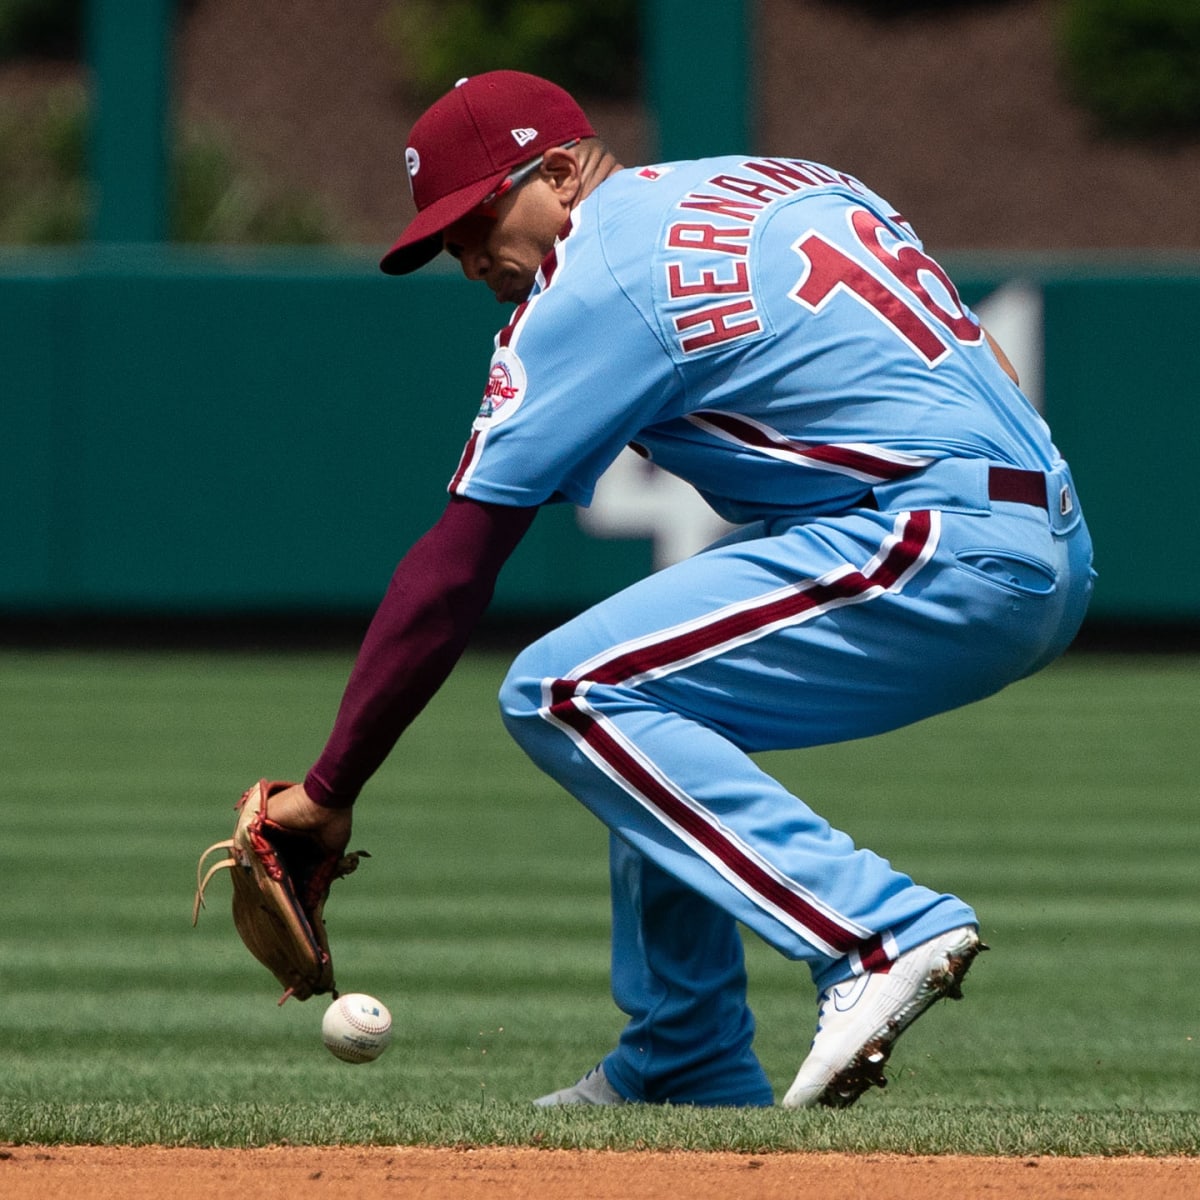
{"points": [[724, 308]]}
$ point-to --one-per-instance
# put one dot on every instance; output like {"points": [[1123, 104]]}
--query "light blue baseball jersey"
{"points": [[768, 329]]}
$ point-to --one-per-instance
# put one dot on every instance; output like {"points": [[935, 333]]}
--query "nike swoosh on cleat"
{"points": [[846, 995]]}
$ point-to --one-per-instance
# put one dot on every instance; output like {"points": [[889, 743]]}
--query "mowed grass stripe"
{"points": [[1063, 809]]}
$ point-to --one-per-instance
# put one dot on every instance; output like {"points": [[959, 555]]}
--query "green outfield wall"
{"points": [[198, 432]]}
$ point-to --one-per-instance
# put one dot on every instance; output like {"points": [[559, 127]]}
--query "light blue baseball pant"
{"points": [[791, 634]]}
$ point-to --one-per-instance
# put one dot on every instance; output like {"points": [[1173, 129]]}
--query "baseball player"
{"points": [[908, 540]]}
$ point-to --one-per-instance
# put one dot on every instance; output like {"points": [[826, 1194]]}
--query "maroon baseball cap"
{"points": [[463, 146]]}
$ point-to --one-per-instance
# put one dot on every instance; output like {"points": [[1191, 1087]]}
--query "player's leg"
{"points": [[646, 706], [678, 972], [684, 988]]}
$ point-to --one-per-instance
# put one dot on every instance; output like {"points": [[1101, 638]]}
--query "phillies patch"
{"points": [[504, 391]]}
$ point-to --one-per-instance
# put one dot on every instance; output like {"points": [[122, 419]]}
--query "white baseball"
{"points": [[356, 1028]]}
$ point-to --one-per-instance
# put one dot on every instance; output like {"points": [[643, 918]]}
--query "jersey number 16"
{"points": [[914, 277]]}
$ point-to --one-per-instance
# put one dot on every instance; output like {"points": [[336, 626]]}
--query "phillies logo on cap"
{"points": [[412, 160]]}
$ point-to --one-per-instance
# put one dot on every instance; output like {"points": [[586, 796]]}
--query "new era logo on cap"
{"points": [[524, 136]]}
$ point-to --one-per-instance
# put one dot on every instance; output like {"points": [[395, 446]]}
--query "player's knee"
{"points": [[521, 691]]}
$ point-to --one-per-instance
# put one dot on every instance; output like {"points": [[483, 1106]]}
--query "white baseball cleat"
{"points": [[859, 1020], [593, 1088]]}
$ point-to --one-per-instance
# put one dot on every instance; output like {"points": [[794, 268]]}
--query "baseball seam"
{"points": [[362, 1026]]}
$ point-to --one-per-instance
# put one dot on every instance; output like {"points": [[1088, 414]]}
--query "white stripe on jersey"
{"points": [[859, 460]]}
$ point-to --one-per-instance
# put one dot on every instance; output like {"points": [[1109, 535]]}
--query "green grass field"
{"points": [[1063, 809]]}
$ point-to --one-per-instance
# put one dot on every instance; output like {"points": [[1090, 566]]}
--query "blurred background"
{"points": [[215, 412]]}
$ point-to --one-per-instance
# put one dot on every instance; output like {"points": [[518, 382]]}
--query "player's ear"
{"points": [[561, 168]]}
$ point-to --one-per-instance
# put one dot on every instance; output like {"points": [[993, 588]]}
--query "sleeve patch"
{"points": [[506, 385]]}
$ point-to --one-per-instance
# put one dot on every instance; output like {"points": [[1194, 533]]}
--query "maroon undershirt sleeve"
{"points": [[437, 595]]}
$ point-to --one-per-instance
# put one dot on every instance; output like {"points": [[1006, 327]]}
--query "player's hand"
{"points": [[294, 809]]}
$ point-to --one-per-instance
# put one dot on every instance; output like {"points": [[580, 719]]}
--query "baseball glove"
{"points": [[281, 880]]}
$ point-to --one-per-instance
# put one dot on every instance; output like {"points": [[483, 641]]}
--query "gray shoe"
{"points": [[593, 1088]]}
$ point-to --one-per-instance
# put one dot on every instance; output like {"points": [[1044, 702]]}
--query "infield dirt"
{"points": [[372, 1173]]}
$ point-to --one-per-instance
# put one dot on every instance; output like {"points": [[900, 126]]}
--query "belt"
{"points": [[1017, 486], [1011, 484]]}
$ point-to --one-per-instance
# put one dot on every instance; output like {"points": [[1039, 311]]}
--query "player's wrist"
{"points": [[324, 796]]}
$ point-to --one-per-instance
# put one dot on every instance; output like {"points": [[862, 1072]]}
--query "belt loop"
{"points": [[1064, 509]]}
